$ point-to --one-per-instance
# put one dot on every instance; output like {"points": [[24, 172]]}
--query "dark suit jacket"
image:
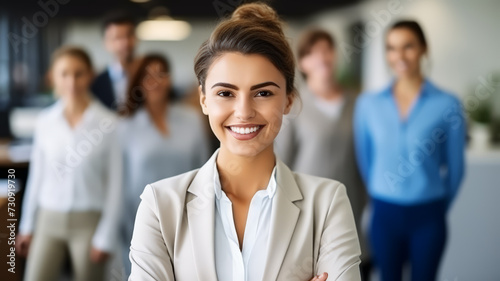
{"points": [[102, 88]]}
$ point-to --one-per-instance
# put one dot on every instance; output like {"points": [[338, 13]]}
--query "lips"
{"points": [[401, 65], [244, 132]]}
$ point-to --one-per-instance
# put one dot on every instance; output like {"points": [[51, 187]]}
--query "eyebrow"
{"points": [[227, 85], [404, 45]]}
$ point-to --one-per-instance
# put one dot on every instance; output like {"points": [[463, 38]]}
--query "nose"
{"points": [[399, 54], [71, 81], [244, 108]]}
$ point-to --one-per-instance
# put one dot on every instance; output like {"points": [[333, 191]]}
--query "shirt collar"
{"points": [[116, 71], [270, 190], [88, 113], [425, 89]]}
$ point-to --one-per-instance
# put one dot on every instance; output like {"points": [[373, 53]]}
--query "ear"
{"points": [[168, 78], [105, 41], [335, 56], [290, 98], [203, 99]]}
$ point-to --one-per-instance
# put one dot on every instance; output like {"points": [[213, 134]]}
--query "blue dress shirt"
{"points": [[416, 160]]}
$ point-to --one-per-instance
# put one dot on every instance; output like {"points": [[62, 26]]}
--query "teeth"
{"points": [[244, 131]]}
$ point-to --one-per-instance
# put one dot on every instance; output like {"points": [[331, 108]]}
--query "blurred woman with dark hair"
{"points": [[158, 137], [410, 141]]}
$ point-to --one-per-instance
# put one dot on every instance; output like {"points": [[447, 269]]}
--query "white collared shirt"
{"points": [[76, 169], [249, 263], [119, 81]]}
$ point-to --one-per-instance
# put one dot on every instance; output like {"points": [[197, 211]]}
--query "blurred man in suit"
{"points": [[120, 41]]}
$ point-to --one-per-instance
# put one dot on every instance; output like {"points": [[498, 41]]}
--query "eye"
{"points": [[224, 94], [264, 94], [409, 46]]}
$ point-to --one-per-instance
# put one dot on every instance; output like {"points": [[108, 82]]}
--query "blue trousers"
{"points": [[414, 234]]}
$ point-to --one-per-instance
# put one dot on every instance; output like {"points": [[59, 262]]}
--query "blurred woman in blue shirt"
{"points": [[409, 141]]}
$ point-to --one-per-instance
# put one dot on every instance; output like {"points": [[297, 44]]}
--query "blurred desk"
{"points": [[6, 159], [473, 248]]}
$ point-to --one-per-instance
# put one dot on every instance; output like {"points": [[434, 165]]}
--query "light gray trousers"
{"points": [[59, 233]]}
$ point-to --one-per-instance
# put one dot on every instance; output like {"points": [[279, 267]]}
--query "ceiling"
{"points": [[178, 8]]}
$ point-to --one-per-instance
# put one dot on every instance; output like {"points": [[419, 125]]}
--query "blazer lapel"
{"points": [[201, 219], [284, 217]]}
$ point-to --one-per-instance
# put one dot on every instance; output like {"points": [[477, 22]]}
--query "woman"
{"points": [[72, 199], [158, 138], [410, 147], [319, 140], [244, 215]]}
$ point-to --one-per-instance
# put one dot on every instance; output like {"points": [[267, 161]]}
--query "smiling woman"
{"points": [[236, 103], [245, 215]]}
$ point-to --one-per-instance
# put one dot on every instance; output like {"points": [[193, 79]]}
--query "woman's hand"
{"points": [[98, 256], [321, 277], [23, 244]]}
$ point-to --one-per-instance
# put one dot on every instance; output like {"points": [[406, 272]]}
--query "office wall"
{"points": [[462, 35], [180, 53]]}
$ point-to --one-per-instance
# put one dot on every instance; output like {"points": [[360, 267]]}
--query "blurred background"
{"points": [[464, 59]]}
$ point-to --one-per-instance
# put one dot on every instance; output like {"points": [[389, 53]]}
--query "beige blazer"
{"points": [[312, 229]]}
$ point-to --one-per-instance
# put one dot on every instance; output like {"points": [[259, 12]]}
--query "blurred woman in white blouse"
{"points": [[244, 215], [73, 195], [159, 138]]}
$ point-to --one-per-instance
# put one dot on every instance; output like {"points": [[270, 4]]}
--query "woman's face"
{"points": [[156, 83], [319, 63], [245, 99], [404, 52], [71, 77]]}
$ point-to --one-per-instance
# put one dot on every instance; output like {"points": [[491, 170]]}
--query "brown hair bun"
{"points": [[258, 13]]}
